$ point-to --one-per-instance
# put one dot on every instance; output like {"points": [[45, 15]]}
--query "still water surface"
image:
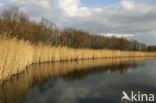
{"points": [[88, 81]]}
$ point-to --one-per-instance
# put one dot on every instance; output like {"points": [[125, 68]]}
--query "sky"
{"points": [[132, 19]]}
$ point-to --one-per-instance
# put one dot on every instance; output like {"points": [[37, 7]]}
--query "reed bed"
{"points": [[16, 55]]}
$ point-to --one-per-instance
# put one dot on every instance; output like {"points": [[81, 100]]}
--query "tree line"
{"points": [[18, 25]]}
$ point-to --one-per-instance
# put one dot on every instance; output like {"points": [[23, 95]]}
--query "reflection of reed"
{"points": [[14, 91], [80, 74]]}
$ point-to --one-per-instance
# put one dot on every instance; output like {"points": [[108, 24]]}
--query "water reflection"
{"points": [[88, 81]]}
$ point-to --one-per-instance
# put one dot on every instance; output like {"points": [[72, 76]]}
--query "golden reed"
{"points": [[16, 55]]}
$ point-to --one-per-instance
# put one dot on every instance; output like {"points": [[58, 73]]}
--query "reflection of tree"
{"points": [[45, 76], [46, 85], [81, 74]]}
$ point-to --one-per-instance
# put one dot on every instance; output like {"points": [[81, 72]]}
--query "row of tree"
{"points": [[18, 25]]}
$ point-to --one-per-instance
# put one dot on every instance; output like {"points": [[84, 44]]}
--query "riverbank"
{"points": [[16, 55]]}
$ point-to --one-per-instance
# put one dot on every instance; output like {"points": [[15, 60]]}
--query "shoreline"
{"points": [[106, 61], [18, 55]]}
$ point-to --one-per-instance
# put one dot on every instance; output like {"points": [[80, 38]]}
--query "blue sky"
{"points": [[3, 1], [102, 3], [98, 3]]}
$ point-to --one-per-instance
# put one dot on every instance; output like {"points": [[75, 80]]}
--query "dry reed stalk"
{"points": [[16, 55]]}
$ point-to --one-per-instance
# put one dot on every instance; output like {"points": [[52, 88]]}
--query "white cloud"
{"points": [[117, 35], [128, 16], [130, 5]]}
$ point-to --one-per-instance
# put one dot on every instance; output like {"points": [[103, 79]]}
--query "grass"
{"points": [[16, 55]]}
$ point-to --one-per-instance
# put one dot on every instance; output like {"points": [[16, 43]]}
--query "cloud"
{"points": [[137, 17], [130, 5], [116, 35]]}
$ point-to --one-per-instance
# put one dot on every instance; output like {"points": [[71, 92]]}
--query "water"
{"points": [[88, 81]]}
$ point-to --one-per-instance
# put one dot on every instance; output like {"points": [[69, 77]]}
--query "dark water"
{"points": [[88, 81]]}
